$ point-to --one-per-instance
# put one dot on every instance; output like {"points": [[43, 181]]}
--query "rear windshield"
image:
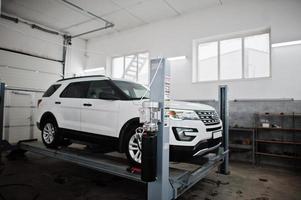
{"points": [[51, 90]]}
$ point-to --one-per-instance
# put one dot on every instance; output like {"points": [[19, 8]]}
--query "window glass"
{"points": [[231, 59], [134, 67], [208, 61], [257, 56], [132, 90], [51, 90], [143, 68], [131, 67], [75, 90], [101, 90], [118, 67], [226, 59]]}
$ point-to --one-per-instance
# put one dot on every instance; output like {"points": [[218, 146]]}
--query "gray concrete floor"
{"points": [[38, 177]]}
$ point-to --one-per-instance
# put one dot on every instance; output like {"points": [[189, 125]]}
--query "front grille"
{"points": [[208, 117]]}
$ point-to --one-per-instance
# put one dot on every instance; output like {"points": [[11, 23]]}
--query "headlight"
{"points": [[183, 114]]}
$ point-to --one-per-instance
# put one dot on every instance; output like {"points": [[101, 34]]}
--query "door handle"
{"points": [[57, 102], [87, 104]]}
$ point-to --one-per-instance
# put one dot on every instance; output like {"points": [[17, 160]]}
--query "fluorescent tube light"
{"points": [[282, 44], [94, 69], [176, 58]]}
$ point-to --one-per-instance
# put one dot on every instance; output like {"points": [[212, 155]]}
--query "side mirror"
{"points": [[107, 96]]}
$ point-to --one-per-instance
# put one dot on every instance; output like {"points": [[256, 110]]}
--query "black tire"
{"points": [[127, 138], [49, 127]]}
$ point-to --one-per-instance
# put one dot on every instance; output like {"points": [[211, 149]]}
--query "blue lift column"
{"points": [[161, 188], [224, 115], [2, 90]]}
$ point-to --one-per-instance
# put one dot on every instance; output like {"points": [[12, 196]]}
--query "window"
{"points": [[101, 90], [208, 57], [235, 58], [75, 90], [231, 59], [132, 90], [257, 56], [133, 67], [51, 90], [118, 67]]}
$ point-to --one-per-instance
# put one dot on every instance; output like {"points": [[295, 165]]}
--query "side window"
{"points": [[51, 90], [102, 90], [75, 90]]}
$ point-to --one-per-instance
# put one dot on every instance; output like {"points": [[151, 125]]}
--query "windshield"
{"points": [[133, 90]]}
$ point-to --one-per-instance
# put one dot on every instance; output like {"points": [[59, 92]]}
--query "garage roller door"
{"points": [[26, 79]]}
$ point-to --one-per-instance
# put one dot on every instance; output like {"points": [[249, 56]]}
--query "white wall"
{"points": [[22, 38], [173, 37]]}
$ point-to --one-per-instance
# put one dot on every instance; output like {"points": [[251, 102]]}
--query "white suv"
{"points": [[99, 110]]}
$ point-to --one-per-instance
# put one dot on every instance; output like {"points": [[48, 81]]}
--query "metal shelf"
{"points": [[248, 132], [241, 146], [279, 142], [278, 155], [282, 119], [245, 130], [280, 129], [280, 114]]}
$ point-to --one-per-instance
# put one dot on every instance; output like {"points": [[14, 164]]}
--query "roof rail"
{"points": [[64, 79]]}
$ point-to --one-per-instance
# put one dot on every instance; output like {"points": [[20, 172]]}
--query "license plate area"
{"points": [[217, 134]]}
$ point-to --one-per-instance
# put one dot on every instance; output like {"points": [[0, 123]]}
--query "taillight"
{"points": [[39, 101]]}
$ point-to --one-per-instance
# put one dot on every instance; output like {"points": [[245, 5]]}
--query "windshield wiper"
{"points": [[137, 98]]}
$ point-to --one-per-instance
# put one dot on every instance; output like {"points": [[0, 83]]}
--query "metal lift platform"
{"points": [[182, 176]]}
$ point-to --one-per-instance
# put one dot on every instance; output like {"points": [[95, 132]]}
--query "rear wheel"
{"points": [[50, 134], [134, 146]]}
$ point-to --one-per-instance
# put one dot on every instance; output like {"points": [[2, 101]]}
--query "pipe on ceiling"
{"points": [[108, 24], [32, 25]]}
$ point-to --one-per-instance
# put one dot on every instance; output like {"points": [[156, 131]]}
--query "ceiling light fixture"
{"points": [[176, 58], [282, 44], [94, 69]]}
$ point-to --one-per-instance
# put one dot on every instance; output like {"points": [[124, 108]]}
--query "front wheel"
{"points": [[50, 134], [134, 146]]}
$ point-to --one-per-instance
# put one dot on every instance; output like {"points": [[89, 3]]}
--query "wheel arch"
{"points": [[125, 128], [45, 116]]}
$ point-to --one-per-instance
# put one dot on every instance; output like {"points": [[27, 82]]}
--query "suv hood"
{"points": [[182, 105], [187, 105]]}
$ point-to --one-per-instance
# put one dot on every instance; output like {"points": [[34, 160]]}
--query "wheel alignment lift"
{"points": [[171, 181]]}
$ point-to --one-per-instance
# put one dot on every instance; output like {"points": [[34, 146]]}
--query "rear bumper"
{"points": [[202, 148]]}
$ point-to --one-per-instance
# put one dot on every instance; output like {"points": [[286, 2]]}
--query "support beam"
{"points": [[160, 189], [66, 43], [2, 89], [224, 115]]}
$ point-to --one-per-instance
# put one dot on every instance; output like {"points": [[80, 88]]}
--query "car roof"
{"points": [[80, 78]]}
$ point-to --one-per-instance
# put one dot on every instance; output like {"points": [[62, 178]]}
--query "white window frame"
{"points": [[124, 56], [218, 39]]}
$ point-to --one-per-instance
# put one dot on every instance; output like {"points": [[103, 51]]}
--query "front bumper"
{"points": [[187, 152]]}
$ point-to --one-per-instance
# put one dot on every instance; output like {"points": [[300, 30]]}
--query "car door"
{"points": [[70, 104], [100, 110]]}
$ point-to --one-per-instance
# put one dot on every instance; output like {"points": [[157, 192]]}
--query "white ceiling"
{"points": [[125, 14]]}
